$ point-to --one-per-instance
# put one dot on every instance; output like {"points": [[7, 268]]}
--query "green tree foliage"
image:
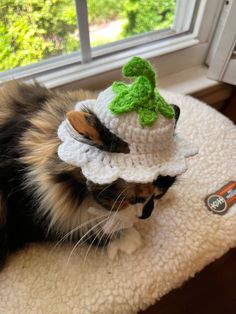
{"points": [[31, 30], [148, 15], [105, 10]]}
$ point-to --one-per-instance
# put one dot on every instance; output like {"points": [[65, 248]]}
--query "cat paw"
{"points": [[128, 243]]}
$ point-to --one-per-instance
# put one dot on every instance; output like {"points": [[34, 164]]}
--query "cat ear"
{"points": [[84, 124], [93, 132]]}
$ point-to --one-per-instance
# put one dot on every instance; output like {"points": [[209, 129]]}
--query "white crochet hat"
{"points": [[154, 150]]}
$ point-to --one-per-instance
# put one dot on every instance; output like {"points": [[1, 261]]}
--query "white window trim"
{"points": [[64, 70], [230, 73], [222, 58], [83, 26], [183, 15]]}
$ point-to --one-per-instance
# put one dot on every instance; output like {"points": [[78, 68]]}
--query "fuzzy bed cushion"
{"points": [[181, 238]]}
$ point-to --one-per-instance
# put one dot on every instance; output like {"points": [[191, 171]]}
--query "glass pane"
{"points": [[32, 30], [112, 20]]}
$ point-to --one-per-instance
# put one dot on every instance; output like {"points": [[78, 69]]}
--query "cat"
{"points": [[44, 199]]}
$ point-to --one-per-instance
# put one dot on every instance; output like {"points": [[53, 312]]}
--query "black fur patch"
{"points": [[76, 188], [148, 208], [177, 113], [163, 183], [18, 208], [111, 142], [19, 224], [108, 195]]}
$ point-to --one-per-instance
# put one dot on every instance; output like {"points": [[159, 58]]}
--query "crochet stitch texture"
{"points": [[142, 96], [153, 151]]}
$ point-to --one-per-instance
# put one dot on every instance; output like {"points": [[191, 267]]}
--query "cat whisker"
{"points": [[111, 213], [96, 237], [114, 214], [125, 189], [104, 234], [84, 238], [117, 233], [78, 243], [110, 235], [74, 230], [103, 190]]}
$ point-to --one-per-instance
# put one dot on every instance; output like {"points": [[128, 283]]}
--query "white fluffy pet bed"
{"points": [[181, 237]]}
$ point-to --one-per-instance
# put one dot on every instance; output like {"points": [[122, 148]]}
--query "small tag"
{"points": [[220, 201]]}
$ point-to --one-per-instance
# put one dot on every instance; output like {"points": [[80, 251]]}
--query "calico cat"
{"points": [[42, 197]]}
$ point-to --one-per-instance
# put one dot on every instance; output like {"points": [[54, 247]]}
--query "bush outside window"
{"points": [[33, 30]]}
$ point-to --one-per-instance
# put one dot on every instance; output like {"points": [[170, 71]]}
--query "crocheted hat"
{"points": [[138, 115]]}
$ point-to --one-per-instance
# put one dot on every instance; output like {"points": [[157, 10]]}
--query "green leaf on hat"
{"points": [[139, 67], [123, 103], [147, 117], [119, 87], [141, 96], [131, 98], [164, 108]]}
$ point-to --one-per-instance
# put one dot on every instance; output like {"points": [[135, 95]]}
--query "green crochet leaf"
{"points": [[119, 87], [141, 89], [137, 67], [123, 103], [165, 109], [141, 96], [147, 116], [132, 98]]}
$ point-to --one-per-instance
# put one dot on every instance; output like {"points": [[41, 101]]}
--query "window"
{"points": [[33, 30], [60, 41]]}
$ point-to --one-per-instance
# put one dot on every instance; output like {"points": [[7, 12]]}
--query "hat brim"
{"points": [[103, 167]]}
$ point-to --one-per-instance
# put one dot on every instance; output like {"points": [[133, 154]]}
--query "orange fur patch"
{"points": [[80, 123], [6, 106], [144, 190], [39, 144]]}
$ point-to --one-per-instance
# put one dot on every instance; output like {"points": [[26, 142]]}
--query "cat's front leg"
{"points": [[129, 242]]}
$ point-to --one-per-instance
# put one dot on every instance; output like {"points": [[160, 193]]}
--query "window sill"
{"points": [[194, 82], [64, 70], [191, 81]]}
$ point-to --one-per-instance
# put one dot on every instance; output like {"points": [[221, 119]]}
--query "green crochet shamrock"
{"points": [[142, 96]]}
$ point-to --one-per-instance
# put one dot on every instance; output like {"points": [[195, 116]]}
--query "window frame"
{"points": [[169, 52], [184, 14], [222, 55]]}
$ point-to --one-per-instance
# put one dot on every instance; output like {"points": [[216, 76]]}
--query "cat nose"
{"points": [[148, 208]]}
